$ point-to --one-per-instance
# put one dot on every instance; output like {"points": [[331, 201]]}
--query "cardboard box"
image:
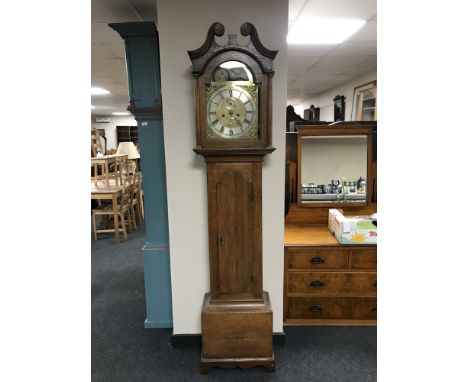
{"points": [[332, 213], [353, 230]]}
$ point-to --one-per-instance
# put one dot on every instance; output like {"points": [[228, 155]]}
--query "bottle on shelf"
{"points": [[344, 188]]}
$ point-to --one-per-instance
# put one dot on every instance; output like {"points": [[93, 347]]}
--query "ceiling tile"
{"points": [[367, 33], [309, 71], [357, 70], [361, 9], [310, 50], [103, 33], [341, 61], [294, 8], [302, 63], [146, 9], [112, 11], [371, 61], [108, 64], [356, 49]]}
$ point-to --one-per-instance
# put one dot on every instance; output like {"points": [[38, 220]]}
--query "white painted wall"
{"points": [[111, 131], [325, 100], [183, 26]]}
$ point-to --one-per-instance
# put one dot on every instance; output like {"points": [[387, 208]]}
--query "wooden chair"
{"points": [[140, 205], [135, 199], [124, 211], [96, 146]]}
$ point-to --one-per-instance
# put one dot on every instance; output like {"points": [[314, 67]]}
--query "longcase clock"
{"points": [[233, 85]]}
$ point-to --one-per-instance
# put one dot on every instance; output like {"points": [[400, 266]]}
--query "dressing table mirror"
{"points": [[334, 166]]}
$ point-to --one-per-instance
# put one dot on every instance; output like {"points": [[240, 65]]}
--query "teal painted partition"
{"points": [[142, 56]]}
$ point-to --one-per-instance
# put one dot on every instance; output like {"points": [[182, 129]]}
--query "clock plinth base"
{"points": [[243, 363], [237, 334]]}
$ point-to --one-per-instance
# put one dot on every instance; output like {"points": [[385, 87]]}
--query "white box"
{"points": [[354, 230]]}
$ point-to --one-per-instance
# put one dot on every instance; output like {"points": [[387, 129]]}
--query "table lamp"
{"points": [[129, 149]]}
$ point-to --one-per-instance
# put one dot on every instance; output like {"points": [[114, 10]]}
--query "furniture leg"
{"points": [[132, 212], [138, 214], [124, 225], [106, 166], [116, 219], [140, 203], [132, 217], [122, 218], [129, 219], [94, 226], [95, 174]]}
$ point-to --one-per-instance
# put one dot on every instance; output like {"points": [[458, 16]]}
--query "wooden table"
{"points": [[114, 182], [105, 162], [99, 190], [308, 235]]}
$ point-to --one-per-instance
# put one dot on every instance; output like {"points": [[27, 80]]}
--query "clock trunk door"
{"points": [[235, 246]]}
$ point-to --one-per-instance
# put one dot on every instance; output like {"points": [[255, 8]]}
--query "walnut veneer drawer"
{"points": [[364, 258], [333, 283], [311, 258], [351, 308]]}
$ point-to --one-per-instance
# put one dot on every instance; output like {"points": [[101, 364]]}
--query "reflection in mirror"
{"points": [[334, 168]]}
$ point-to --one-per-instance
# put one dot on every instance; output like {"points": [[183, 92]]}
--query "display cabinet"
{"points": [[334, 165], [127, 134]]}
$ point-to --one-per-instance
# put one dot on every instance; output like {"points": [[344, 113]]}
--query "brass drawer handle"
{"points": [[317, 260], [315, 308], [316, 283]]}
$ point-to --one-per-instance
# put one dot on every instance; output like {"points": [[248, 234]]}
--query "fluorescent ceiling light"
{"points": [[323, 31], [98, 91], [121, 113]]}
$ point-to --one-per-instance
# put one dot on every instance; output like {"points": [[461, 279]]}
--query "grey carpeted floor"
{"points": [[122, 350]]}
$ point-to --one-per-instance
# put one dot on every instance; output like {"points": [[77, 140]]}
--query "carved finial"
{"points": [[216, 29], [232, 39], [249, 29], [254, 48]]}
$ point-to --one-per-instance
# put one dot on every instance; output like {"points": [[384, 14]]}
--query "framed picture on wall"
{"points": [[365, 102]]}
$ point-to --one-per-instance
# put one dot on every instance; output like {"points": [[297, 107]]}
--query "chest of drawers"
{"points": [[326, 283]]}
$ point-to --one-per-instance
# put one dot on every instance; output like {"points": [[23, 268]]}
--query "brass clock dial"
{"points": [[232, 112]]}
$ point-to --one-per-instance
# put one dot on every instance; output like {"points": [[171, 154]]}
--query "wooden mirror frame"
{"points": [[335, 130]]}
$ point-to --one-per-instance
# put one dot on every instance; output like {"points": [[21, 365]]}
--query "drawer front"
{"points": [[332, 308], [333, 283], [364, 258], [310, 258]]}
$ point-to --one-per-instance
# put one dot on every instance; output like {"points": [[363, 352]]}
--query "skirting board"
{"points": [[181, 340]]}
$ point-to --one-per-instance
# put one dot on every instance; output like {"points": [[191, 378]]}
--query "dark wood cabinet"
{"points": [[127, 134], [325, 282]]}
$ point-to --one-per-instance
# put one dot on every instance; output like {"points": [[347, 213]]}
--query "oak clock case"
{"points": [[233, 121]]}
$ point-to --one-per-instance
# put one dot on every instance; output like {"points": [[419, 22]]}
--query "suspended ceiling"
{"points": [[312, 69]]}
